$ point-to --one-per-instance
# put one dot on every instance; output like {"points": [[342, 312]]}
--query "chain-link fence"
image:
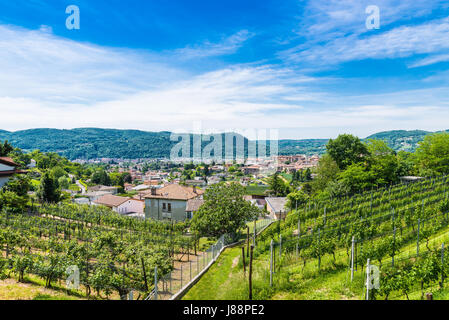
{"points": [[189, 267]]}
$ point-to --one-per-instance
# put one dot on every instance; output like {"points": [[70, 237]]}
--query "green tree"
{"points": [[224, 211], [432, 155], [346, 150], [384, 165], [296, 199], [326, 171], [100, 176], [49, 189], [5, 149], [277, 186]]}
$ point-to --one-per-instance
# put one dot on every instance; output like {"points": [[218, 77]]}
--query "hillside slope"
{"points": [[91, 143]]}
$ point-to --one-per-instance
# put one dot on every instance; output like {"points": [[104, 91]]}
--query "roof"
{"points": [[102, 188], [8, 161], [276, 203], [194, 204], [110, 200], [175, 192]]}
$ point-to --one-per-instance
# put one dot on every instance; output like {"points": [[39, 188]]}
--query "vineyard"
{"points": [[114, 254], [321, 250]]}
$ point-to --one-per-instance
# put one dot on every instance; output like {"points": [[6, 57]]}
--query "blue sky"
{"points": [[308, 68]]}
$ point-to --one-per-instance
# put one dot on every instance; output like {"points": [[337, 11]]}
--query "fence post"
{"points": [[280, 247], [394, 247], [368, 271], [243, 256], [442, 265], [417, 242], [352, 258], [255, 231], [181, 275], [190, 269], [251, 273], [319, 249], [247, 241], [271, 263], [299, 227], [155, 283]]}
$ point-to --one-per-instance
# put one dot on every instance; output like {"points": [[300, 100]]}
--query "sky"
{"points": [[308, 69]]}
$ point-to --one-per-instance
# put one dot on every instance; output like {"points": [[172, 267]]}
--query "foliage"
{"points": [[224, 211]]}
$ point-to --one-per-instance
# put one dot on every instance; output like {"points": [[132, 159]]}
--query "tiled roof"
{"points": [[110, 200], [194, 204], [175, 192], [8, 161]]}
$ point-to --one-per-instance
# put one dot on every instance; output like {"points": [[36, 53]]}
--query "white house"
{"points": [[7, 169], [122, 205]]}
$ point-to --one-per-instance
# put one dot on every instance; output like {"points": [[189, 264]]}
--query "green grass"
{"points": [[256, 190], [226, 279]]}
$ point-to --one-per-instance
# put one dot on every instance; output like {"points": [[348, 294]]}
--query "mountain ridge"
{"points": [[92, 143]]}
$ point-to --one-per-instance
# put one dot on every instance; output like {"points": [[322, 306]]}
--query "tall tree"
{"points": [[5, 149], [346, 150], [224, 211], [432, 155], [49, 189]]}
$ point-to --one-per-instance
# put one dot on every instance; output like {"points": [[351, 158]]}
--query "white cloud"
{"points": [[228, 45], [402, 41], [430, 60]]}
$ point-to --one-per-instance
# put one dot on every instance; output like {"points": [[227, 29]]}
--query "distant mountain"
{"points": [[92, 143]]}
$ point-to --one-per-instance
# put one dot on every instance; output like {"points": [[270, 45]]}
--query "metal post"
{"points": [[271, 263], [181, 275], [442, 265], [352, 258], [394, 247], [280, 247], [368, 271], [299, 228], [190, 267], [417, 242], [155, 283], [319, 249]]}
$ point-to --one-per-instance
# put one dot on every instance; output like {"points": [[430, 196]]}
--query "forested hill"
{"points": [[91, 143]]}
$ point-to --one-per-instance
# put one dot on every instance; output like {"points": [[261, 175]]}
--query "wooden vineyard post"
{"points": [[250, 273], [299, 227], [144, 275], [352, 258], [247, 241], [243, 257]]}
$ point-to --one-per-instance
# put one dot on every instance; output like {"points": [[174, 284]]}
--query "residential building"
{"points": [[193, 205], [276, 207], [8, 168], [122, 205], [170, 202]]}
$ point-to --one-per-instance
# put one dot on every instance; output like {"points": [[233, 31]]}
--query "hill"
{"points": [[92, 143]]}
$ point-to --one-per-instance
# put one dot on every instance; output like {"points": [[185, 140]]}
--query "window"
{"points": [[164, 206], [189, 215], [169, 207]]}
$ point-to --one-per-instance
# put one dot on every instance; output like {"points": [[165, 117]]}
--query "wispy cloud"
{"points": [[228, 45], [399, 42]]}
